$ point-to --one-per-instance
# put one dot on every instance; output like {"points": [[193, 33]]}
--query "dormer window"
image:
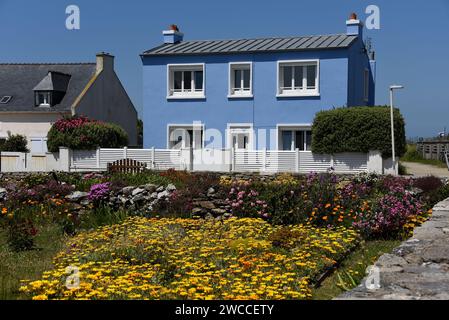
{"points": [[43, 99], [51, 90]]}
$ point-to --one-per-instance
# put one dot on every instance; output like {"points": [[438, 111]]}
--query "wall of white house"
{"points": [[34, 126]]}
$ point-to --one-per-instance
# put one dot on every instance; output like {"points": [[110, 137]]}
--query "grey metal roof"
{"points": [[19, 80], [336, 41]]}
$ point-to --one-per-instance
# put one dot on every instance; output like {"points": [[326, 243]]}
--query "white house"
{"points": [[34, 96]]}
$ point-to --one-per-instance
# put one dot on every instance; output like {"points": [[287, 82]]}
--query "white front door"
{"points": [[240, 137]]}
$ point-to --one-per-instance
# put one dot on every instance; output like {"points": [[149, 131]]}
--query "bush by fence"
{"points": [[14, 143], [81, 133], [357, 129]]}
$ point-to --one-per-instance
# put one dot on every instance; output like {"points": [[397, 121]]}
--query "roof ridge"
{"points": [[267, 38]]}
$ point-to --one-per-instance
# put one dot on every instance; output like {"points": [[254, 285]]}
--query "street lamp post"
{"points": [[393, 149]]}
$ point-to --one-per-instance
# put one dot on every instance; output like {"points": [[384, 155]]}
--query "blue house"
{"points": [[251, 93]]}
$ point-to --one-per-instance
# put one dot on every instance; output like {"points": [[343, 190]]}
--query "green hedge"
{"points": [[358, 129], [85, 134], [14, 143]]}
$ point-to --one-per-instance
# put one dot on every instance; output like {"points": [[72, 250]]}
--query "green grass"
{"points": [[16, 266], [412, 155], [352, 270]]}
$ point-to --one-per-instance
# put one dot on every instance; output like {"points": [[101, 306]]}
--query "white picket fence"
{"points": [[226, 160], [223, 160], [156, 159], [298, 162]]}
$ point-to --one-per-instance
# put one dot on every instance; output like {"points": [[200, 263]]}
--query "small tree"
{"points": [[15, 143]]}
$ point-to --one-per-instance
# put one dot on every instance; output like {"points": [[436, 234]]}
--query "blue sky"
{"points": [[412, 45]]}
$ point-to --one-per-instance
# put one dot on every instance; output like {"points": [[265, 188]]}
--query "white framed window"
{"points": [[298, 78], [185, 81], [38, 145], [181, 136], [43, 98], [366, 83], [292, 137], [240, 80]]}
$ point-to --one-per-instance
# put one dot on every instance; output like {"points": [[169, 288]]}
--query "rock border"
{"points": [[416, 270]]}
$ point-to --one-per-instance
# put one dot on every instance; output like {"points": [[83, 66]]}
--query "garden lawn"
{"points": [[195, 259], [15, 266], [353, 269]]}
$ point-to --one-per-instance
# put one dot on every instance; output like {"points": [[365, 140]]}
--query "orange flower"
{"points": [[325, 218], [328, 206], [4, 211]]}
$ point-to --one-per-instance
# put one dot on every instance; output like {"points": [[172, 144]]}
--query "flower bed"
{"points": [[195, 259]]}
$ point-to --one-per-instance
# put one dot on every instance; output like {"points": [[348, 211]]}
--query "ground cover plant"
{"points": [[195, 259]]}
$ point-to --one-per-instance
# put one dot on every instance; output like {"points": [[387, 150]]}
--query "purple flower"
{"points": [[100, 191]]}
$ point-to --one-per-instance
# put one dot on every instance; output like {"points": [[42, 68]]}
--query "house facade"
{"points": [[34, 96], [251, 93]]}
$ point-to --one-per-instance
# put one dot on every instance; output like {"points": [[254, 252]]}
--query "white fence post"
{"points": [[375, 162], [125, 153], [153, 158], [65, 159], [98, 157], [332, 161], [232, 159], [297, 160], [264, 160]]}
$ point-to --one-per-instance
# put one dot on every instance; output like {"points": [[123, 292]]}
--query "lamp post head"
{"points": [[395, 87]]}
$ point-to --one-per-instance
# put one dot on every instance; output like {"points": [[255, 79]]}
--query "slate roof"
{"points": [[54, 81], [19, 80], [254, 45]]}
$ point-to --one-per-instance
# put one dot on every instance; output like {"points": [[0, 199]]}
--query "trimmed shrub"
{"points": [[357, 129], [81, 133], [15, 143]]}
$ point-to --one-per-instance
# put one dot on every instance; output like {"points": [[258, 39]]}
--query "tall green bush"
{"points": [[80, 133], [358, 129]]}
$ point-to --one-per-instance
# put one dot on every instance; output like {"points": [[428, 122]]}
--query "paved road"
{"points": [[422, 170], [416, 270]]}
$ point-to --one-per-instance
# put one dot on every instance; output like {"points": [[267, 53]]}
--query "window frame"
{"points": [[280, 93], [232, 93], [42, 140], [305, 127], [185, 67], [195, 127], [49, 97]]}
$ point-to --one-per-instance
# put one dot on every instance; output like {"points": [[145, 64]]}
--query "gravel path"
{"points": [[416, 270], [422, 170]]}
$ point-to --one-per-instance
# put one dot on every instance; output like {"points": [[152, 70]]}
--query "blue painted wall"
{"points": [[341, 84]]}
